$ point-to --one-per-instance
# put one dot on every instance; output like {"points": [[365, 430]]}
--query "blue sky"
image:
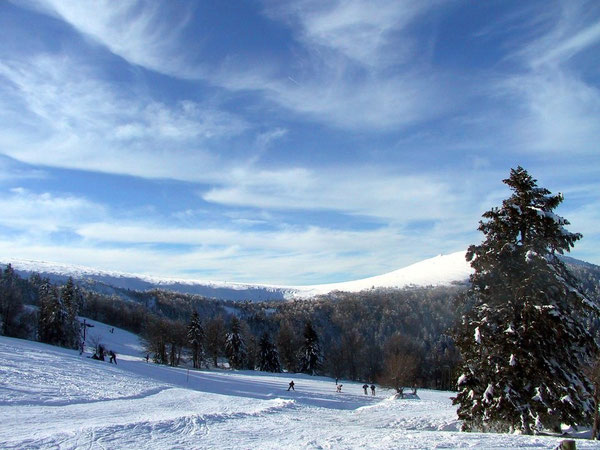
{"points": [[291, 142]]}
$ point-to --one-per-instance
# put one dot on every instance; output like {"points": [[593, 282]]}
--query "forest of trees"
{"points": [[343, 335]]}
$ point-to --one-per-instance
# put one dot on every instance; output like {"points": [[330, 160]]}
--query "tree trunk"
{"points": [[596, 427]]}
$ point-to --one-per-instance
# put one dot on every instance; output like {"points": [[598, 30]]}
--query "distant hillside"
{"points": [[438, 271], [442, 270], [588, 274]]}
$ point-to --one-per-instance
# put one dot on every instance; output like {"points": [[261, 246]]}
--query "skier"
{"points": [[372, 389], [101, 353], [113, 357], [291, 386], [147, 356], [365, 387], [339, 388]]}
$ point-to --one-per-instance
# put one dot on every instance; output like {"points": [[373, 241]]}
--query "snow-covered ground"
{"points": [[55, 398]]}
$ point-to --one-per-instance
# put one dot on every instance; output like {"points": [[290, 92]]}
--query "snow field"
{"points": [[55, 398]]}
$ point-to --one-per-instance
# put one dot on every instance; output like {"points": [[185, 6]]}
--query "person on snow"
{"points": [[101, 353], [365, 387], [372, 389], [339, 388], [147, 356], [113, 357], [291, 386]]}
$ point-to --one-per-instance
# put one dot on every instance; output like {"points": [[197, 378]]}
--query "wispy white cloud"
{"points": [[557, 112], [369, 192], [69, 118], [573, 29], [361, 30], [572, 45], [346, 48], [144, 33], [28, 212], [334, 97], [340, 76], [556, 104]]}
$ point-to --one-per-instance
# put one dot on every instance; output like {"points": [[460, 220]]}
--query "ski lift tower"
{"points": [[84, 326]]}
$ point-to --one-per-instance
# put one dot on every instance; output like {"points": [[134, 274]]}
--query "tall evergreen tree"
{"points": [[234, 345], [523, 343], [57, 320], [268, 357], [11, 302], [52, 315], [71, 301], [310, 353], [287, 346], [195, 337]]}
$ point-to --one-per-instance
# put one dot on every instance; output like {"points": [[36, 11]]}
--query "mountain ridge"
{"points": [[440, 270]]}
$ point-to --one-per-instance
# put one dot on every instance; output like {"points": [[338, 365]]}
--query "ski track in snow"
{"points": [[55, 398]]}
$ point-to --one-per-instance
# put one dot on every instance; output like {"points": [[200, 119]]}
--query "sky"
{"points": [[288, 142]]}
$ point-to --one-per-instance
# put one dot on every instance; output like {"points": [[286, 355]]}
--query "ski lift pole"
{"points": [[85, 325]]}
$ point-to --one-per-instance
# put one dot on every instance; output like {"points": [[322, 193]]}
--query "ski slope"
{"points": [[56, 398]]}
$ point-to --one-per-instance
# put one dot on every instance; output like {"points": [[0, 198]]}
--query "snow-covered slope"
{"points": [[55, 398], [441, 270]]}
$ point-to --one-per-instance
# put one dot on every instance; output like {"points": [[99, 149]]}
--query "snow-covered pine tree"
{"points": [[57, 320], [71, 300], [310, 353], [234, 345], [51, 315], [523, 343], [268, 357], [195, 338], [11, 301]]}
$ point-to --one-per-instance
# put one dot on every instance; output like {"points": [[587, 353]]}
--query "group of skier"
{"points": [[100, 352], [366, 386], [338, 387]]}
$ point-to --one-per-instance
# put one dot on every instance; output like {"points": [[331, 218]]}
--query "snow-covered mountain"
{"points": [[441, 270]]}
